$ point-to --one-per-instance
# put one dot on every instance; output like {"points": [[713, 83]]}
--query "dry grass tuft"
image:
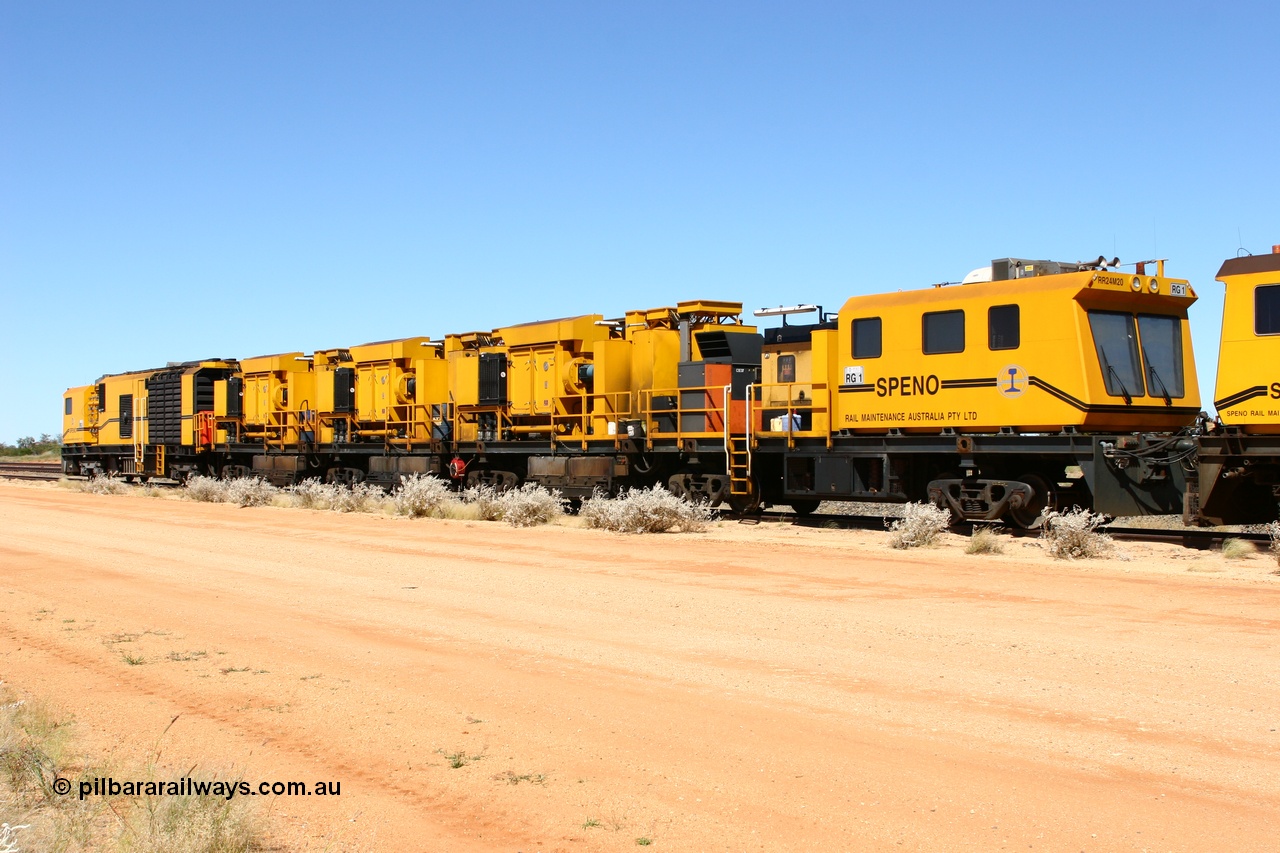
{"points": [[1273, 530], [190, 824], [485, 501], [459, 511], [110, 484], [1073, 534], [34, 746], [984, 540], [652, 510], [921, 524], [1237, 549]]}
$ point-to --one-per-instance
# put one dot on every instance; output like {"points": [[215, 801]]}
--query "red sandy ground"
{"points": [[750, 688]]}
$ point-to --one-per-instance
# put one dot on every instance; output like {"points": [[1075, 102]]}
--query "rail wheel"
{"points": [[747, 502], [804, 508], [1045, 499]]}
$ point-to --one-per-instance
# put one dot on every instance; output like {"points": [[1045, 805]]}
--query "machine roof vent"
{"points": [[714, 345], [729, 347]]}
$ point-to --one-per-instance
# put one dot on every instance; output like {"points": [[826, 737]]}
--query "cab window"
{"points": [[68, 401], [1266, 310], [786, 368], [1004, 327], [1160, 338], [866, 338], [943, 332], [1115, 336]]}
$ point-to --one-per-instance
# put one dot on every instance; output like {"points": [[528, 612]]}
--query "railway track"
{"points": [[31, 470], [1190, 537], [1199, 538]]}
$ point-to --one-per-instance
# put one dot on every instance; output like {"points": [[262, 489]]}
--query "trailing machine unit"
{"points": [[1239, 471]]}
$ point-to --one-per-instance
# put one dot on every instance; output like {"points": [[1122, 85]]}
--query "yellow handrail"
{"points": [[818, 403], [723, 410]]}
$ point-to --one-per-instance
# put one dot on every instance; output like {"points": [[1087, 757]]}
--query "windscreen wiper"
{"points": [[1151, 371], [1124, 392]]}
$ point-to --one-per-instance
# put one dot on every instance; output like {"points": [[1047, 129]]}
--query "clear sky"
{"points": [[191, 180]]}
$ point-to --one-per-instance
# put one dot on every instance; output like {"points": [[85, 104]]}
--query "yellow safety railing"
{"points": [[571, 420], [576, 426], [715, 416], [282, 429], [794, 407]]}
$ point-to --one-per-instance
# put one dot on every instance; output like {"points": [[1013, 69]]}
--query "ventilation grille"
{"points": [[164, 408]]}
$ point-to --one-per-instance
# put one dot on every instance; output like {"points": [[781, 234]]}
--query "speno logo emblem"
{"points": [[1012, 381]]}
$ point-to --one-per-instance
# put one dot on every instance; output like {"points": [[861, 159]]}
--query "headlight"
{"points": [[1154, 286], [1136, 284]]}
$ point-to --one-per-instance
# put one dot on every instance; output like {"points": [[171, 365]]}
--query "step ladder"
{"points": [[737, 447], [92, 409], [739, 454], [139, 425]]}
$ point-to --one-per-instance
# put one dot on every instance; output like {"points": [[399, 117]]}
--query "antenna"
{"points": [[784, 310]]}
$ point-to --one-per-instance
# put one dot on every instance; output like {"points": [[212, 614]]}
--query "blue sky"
{"points": [[185, 180]]}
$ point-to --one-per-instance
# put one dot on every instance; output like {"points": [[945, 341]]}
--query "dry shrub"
{"points": [[1273, 530], [652, 510], [421, 495], [357, 497], [250, 491], [205, 489], [1236, 549], [921, 524], [486, 501], [108, 484], [984, 540], [1073, 534], [312, 494], [531, 505]]}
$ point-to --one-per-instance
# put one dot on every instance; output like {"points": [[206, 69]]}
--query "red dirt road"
{"points": [[751, 688]]}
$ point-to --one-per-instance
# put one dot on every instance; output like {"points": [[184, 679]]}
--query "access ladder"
{"points": [[737, 446]]}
